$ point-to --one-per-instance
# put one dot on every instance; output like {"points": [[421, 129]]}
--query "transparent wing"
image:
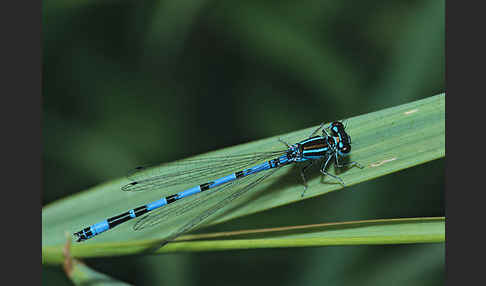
{"points": [[195, 203], [192, 171], [236, 193]]}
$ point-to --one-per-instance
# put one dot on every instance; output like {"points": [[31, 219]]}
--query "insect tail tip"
{"points": [[78, 237]]}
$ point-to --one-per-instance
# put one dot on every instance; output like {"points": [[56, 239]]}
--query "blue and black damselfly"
{"points": [[243, 177]]}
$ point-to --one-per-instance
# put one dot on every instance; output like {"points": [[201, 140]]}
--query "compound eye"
{"points": [[345, 149]]}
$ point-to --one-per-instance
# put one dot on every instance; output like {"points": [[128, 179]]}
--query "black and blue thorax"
{"points": [[313, 148]]}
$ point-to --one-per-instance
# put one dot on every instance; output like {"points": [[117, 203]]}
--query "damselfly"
{"points": [[243, 177]]}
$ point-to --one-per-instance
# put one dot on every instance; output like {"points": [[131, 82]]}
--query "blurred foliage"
{"points": [[130, 82]]}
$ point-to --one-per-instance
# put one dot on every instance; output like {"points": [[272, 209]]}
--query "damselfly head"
{"points": [[341, 138]]}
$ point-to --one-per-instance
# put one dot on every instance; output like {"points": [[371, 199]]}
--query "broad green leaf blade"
{"points": [[384, 231], [385, 141]]}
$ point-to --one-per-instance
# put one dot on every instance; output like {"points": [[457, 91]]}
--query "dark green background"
{"points": [[130, 82]]}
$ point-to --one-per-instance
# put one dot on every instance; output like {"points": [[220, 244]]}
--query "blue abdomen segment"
{"points": [[156, 204], [223, 180], [100, 227], [189, 192], [256, 169]]}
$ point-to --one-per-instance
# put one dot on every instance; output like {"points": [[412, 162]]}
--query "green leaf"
{"points": [[384, 142]]}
